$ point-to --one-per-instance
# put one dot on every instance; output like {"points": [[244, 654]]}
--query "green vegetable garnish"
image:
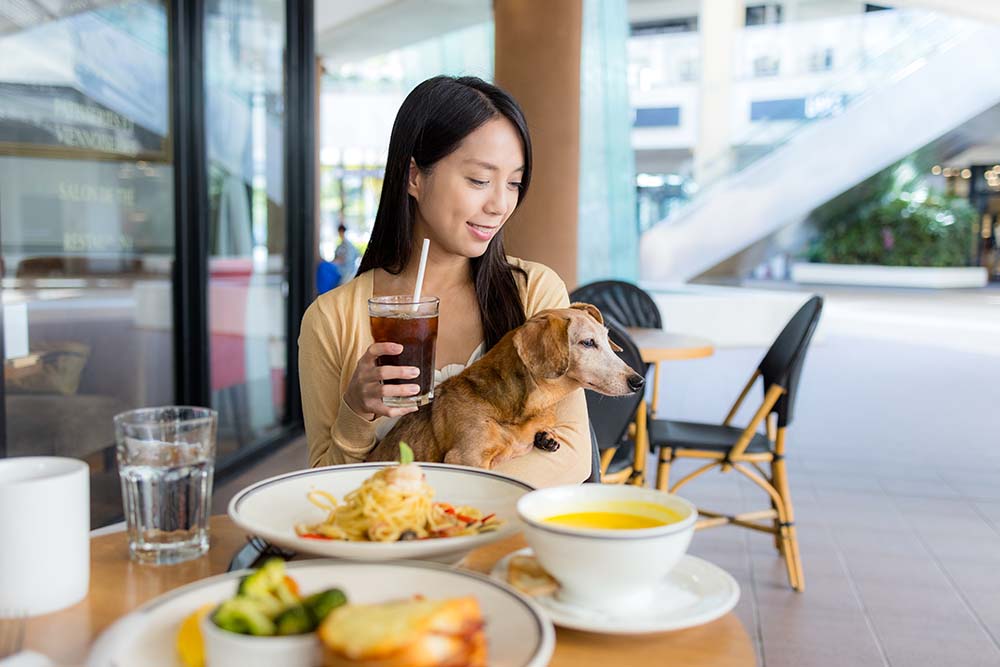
{"points": [[267, 603], [267, 586], [295, 620], [244, 616], [322, 603], [405, 453]]}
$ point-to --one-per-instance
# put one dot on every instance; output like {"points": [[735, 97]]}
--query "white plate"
{"points": [[271, 509], [517, 632], [693, 593]]}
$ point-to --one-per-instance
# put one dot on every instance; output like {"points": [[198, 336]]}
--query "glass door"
{"points": [[247, 293], [86, 227]]}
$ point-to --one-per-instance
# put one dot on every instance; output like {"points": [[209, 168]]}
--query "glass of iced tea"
{"points": [[412, 323]]}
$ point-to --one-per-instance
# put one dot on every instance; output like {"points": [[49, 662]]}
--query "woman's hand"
{"points": [[365, 391]]}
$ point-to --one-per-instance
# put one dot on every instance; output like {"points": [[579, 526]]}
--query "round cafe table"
{"points": [[657, 345], [117, 586]]}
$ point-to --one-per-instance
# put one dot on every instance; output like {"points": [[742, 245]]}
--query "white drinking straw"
{"points": [[420, 273]]}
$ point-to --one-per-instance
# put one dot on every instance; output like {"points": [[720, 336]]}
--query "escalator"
{"points": [[928, 80]]}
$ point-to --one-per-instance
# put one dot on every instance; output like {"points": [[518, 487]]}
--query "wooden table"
{"points": [[657, 345], [118, 586]]}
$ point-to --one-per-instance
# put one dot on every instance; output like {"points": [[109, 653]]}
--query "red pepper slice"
{"points": [[466, 519], [314, 536], [488, 517]]}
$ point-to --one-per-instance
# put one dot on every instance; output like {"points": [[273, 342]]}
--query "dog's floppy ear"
{"points": [[590, 309], [543, 345]]}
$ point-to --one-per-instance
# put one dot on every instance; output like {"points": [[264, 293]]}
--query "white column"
{"points": [[790, 11], [718, 23]]}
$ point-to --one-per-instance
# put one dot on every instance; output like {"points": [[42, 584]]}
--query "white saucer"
{"points": [[693, 593]]}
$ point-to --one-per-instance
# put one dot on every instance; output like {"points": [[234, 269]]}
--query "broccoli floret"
{"points": [[244, 616], [322, 603], [267, 603], [269, 587], [295, 620], [260, 582]]}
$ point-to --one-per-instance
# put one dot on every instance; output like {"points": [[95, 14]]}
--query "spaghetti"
{"points": [[396, 503]]}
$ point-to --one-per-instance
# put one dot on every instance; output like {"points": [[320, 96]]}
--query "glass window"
{"points": [[763, 14], [244, 115], [87, 237]]}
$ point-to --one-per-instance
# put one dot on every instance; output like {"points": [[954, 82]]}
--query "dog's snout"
{"points": [[636, 382]]}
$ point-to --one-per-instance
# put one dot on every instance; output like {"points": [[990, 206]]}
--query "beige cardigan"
{"points": [[335, 334]]}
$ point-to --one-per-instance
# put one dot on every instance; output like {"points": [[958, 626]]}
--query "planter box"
{"points": [[890, 276]]}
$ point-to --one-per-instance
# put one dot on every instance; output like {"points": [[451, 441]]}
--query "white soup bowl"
{"points": [[606, 568]]}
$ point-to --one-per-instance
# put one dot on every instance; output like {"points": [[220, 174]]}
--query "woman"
{"points": [[459, 163]]}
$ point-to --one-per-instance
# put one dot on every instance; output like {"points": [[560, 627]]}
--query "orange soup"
{"points": [[621, 520]]}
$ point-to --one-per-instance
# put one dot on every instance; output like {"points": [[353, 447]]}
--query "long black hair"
{"points": [[433, 120]]}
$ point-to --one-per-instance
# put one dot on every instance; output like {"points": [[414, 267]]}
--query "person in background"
{"points": [[346, 256]]}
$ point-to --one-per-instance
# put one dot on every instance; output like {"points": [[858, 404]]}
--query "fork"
{"points": [[268, 550], [255, 552], [12, 625]]}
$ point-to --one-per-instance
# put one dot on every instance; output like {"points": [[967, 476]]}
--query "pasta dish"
{"points": [[394, 504]]}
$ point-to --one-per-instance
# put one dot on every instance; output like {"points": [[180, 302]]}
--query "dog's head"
{"points": [[572, 343]]}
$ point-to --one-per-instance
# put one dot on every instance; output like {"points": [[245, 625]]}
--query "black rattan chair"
{"points": [[595, 458], [745, 449], [628, 304], [610, 417]]}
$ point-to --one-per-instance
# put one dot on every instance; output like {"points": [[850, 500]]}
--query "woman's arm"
{"points": [[571, 463], [334, 432]]}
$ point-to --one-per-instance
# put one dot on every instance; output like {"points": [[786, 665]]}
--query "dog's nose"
{"points": [[636, 382]]}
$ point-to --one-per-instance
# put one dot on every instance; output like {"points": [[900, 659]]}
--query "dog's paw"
{"points": [[545, 441]]}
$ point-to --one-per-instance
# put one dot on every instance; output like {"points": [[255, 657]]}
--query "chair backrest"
{"points": [[611, 415], [629, 304], [784, 360], [595, 458]]}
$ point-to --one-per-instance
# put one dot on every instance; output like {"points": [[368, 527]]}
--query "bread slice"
{"points": [[526, 574], [411, 633]]}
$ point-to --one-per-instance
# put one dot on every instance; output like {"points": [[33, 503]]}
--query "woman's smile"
{"points": [[482, 232]]}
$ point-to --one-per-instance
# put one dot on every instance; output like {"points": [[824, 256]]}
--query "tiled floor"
{"points": [[894, 463], [895, 475]]}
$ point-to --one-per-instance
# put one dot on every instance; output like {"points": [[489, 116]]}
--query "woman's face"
{"points": [[464, 200]]}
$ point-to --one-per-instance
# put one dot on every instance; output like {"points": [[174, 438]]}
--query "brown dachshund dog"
{"points": [[503, 404]]}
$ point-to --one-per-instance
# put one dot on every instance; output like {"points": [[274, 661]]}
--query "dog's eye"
{"points": [[590, 342]]}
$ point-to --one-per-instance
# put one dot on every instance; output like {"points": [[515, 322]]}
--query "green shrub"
{"points": [[918, 228]]}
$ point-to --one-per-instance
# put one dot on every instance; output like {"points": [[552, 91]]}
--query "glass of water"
{"points": [[166, 459]]}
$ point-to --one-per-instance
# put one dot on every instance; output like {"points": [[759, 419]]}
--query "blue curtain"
{"points": [[608, 230]]}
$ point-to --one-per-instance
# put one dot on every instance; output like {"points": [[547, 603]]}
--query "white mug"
{"points": [[44, 534]]}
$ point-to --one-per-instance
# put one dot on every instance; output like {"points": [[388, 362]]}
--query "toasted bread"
{"points": [[411, 633], [526, 574]]}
